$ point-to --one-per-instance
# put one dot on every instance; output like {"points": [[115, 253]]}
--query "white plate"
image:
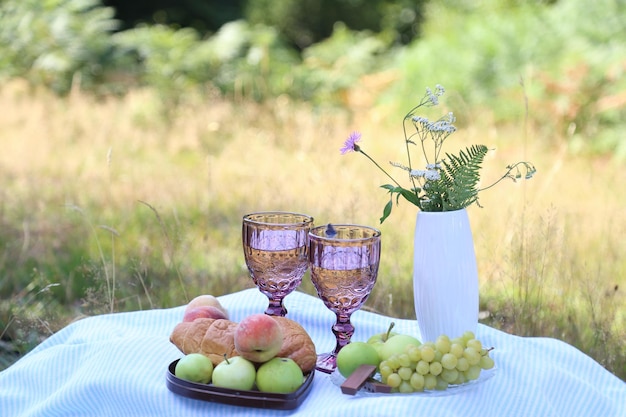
{"points": [[485, 375]]}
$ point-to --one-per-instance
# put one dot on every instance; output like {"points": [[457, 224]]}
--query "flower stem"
{"points": [[379, 167], [530, 171]]}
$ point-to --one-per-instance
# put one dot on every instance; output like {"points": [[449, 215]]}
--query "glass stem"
{"points": [[276, 307], [343, 331]]}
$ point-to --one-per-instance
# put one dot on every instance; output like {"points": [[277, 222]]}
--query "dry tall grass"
{"points": [[172, 185]]}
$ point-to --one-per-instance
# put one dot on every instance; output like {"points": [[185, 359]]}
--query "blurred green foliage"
{"points": [[569, 65], [53, 42], [334, 65], [306, 22], [493, 54], [205, 16]]}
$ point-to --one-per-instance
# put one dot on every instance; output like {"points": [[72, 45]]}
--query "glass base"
{"points": [[276, 311], [326, 362], [275, 307]]}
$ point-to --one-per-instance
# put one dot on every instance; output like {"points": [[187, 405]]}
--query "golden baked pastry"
{"points": [[215, 337], [297, 344], [211, 337]]}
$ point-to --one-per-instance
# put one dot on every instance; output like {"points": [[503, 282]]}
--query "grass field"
{"points": [[122, 204]]}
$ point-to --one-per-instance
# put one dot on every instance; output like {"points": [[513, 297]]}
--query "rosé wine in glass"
{"points": [[276, 248], [344, 263]]}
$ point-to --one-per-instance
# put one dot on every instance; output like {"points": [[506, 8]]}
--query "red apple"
{"points": [[258, 338], [208, 312], [206, 300]]}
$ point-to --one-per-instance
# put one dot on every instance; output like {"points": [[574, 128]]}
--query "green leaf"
{"points": [[410, 197], [386, 211]]}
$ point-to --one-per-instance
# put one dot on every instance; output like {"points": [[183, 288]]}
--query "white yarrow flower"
{"points": [[432, 175], [418, 173]]}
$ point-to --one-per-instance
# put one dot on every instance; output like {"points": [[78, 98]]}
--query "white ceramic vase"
{"points": [[445, 276]]}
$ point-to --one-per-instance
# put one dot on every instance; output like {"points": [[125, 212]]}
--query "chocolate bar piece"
{"points": [[372, 385], [357, 379]]}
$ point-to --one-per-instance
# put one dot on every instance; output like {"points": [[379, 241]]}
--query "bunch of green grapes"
{"points": [[436, 365]]}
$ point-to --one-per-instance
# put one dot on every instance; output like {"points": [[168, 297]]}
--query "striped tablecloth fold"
{"points": [[115, 365]]}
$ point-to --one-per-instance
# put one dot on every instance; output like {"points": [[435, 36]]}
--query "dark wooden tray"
{"points": [[253, 398]]}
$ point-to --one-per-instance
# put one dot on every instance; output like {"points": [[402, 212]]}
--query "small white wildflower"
{"points": [[439, 89], [442, 126], [432, 175], [421, 120], [433, 99], [437, 126], [398, 165], [418, 173], [433, 166], [450, 129]]}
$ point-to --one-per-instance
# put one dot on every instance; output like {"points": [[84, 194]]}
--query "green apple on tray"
{"points": [[258, 339]]}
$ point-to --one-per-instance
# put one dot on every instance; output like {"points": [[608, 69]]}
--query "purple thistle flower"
{"points": [[350, 144]]}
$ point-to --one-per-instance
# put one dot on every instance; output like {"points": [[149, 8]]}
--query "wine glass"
{"points": [[344, 265], [276, 248]]}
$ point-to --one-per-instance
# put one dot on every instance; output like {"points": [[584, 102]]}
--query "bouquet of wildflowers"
{"points": [[448, 181]]}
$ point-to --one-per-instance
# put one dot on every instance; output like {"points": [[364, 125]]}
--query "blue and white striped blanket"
{"points": [[115, 365]]}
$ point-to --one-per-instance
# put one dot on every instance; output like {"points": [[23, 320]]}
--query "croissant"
{"points": [[215, 338], [297, 344], [212, 337]]}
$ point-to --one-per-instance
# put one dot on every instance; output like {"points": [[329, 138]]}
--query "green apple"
{"points": [[280, 375], [194, 367], [235, 373], [379, 339], [355, 354], [382, 337], [396, 345]]}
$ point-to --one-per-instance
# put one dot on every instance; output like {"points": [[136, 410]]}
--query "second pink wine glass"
{"points": [[276, 248], [344, 263]]}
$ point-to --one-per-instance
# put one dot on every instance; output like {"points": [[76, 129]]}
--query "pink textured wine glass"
{"points": [[344, 265], [276, 248]]}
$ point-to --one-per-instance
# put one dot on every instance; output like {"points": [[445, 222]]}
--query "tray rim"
{"points": [[242, 398]]}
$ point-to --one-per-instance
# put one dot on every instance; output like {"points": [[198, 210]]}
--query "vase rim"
{"points": [[442, 212]]}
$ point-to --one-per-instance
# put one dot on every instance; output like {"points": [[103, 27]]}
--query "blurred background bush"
{"points": [[571, 65]]}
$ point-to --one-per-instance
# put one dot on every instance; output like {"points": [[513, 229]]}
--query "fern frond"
{"points": [[459, 177]]}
